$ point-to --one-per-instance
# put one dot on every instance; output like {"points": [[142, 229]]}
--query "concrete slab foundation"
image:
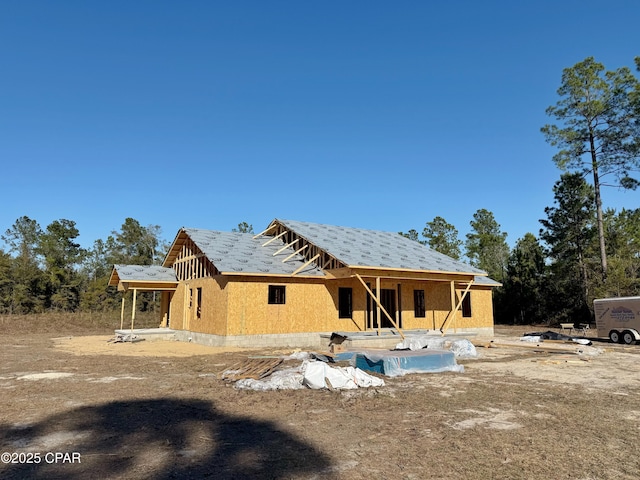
{"points": [[149, 333], [390, 338], [387, 339], [289, 340]]}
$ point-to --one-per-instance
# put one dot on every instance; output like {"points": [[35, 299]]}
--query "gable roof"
{"points": [[268, 253], [357, 247], [240, 253]]}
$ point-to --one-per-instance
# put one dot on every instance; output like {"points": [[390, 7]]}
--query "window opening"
{"points": [[345, 302], [466, 305], [419, 309], [276, 294]]}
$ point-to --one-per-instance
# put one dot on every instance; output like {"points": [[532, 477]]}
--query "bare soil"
{"points": [[159, 410]]}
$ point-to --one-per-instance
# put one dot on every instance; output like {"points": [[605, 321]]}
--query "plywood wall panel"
{"points": [[239, 306], [311, 306]]}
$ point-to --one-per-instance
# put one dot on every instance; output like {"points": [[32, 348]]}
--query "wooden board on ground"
{"points": [[255, 368], [537, 346]]}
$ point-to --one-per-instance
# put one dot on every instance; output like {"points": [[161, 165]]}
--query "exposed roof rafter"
{"points": [[285, 247], [297, 252], [302, 267], [273, 239]]}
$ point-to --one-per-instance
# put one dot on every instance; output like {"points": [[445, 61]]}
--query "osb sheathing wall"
{"points": [[213, 311], [239, 305], [311, 305], [438, 305]]}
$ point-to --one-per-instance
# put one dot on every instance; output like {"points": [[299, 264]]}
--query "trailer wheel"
{"points": [[628, 337], [614, 336]]}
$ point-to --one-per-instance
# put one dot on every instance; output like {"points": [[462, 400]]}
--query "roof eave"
{"points": [[416, 270]]}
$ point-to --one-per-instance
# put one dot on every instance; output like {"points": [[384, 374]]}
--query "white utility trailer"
{"points": [[618, 319]]}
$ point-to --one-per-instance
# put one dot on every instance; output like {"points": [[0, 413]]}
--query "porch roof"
{"points": [[143, 277]]}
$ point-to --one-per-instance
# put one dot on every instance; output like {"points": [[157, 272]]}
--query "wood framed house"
{"points": [[296, 280]]}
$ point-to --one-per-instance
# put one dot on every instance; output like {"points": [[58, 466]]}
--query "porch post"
{"points": [[380, 307], [378, 303], [455, 308], [133, 308], [122, 312]]}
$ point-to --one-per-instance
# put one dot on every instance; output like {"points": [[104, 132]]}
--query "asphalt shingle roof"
{"points": [[235, 252], [360, 247], [145, 273]]}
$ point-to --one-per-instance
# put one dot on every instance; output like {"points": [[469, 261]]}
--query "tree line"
{"points": [[581, 252], [554, 276], [47, 269]]}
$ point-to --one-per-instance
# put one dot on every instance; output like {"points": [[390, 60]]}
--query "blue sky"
{"points": [[377, 115]]}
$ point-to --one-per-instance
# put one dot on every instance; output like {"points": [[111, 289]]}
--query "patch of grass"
{"points": [[77, 323]]}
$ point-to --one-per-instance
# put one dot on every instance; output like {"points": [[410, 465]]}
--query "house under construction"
{"points": [[297, 280]]}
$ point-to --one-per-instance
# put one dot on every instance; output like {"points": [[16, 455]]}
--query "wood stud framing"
{"points": [[379, 305], [452, 313], [309, 251], [191, 263]]}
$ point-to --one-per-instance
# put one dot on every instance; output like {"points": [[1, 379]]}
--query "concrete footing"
{"points": [[317, 340], [388, 338]]}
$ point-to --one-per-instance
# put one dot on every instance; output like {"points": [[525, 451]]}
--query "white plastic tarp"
{"points": [[461, 348], [289, 379], [315, 375], [320, 375]]}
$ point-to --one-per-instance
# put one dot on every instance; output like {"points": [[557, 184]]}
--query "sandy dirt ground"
{"points": [[81, 406], [104, 345]]}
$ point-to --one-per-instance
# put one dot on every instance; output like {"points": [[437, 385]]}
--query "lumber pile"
{"points": [[255, 368], [542, 346]]}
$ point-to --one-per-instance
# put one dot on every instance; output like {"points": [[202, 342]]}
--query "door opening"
{"points": [[388, 301]]}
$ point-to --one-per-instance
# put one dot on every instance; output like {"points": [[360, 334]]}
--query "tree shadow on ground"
{"points": [[160, 439]]}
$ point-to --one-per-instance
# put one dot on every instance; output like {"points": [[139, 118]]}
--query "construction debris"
{"points": [[461, 348], [286, 379], [255, 368], [540, 346], [393, 363], [129, 337], [314, 375], [550, 335]]}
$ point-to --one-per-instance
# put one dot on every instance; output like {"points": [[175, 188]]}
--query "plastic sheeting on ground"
{"points": [[461, 348], [320, 375], [315, 375], [551, 335], [288, 379], [393, 363]]}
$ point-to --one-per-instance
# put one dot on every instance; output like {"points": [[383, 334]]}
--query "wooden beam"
{"points": [[454, 310], [537, 346], [380, 305], [286, 246], [274, 238], [189, 258], [270, 227], [133, 308], [296, 252], [302, 267], [122, 313], [452, 313]]}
